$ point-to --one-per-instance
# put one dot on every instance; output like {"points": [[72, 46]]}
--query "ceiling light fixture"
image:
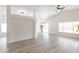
{"points": [[60, 7]]}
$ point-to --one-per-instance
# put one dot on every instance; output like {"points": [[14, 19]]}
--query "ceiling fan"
{"points": [[60, 7]]}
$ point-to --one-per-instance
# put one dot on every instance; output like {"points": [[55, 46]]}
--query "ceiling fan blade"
{"points": [[60, 7]]}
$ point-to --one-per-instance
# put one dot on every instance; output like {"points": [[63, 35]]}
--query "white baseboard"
{"points": [[20, 40], [71, 35]]}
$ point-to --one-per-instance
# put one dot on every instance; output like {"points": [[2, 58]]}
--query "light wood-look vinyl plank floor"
{"points": [[44, 43]]}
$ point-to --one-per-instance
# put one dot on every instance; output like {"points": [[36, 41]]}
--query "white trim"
{"points": [[20, 40], [66, 35], [3, 34]]}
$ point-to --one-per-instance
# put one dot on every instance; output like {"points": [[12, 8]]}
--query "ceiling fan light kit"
{"points": [[60, 8]]}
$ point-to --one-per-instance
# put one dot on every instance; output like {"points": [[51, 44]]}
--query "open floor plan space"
{"points": [[39, 28], [44, 43]]}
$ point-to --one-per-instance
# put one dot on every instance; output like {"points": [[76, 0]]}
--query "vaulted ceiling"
{"points": [[43, 10], [47, 10]]}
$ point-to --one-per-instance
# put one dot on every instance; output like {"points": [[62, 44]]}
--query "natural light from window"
{"points": [[69, 27]]}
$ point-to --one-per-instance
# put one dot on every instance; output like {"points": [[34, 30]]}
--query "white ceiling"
{"points": [[48, 10], [43, 10], [45, 7]]}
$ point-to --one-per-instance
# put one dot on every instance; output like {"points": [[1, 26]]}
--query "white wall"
{"points": [[20, 28], [64, 16], [37, 23]]}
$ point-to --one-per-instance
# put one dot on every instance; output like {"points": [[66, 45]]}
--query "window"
{"points": [[3, 27], [3, 22], [70, 27], [76, 27]]}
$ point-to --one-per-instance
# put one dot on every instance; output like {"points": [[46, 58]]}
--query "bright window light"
{"points": [[46, 27], [3, 27], [60, 27], [70, 27]]}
